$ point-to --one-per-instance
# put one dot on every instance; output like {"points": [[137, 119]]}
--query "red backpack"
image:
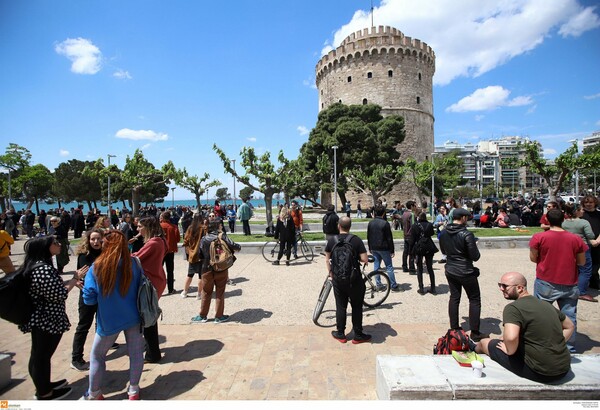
{"points": [[454, 339]]}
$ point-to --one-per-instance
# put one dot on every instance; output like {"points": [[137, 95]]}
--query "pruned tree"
{"points": [[15, 159], [378, 181], [144, 180], [270, 180], [197, 185], [446, 170]]}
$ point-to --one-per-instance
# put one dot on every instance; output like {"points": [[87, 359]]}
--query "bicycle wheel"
{"points": [[307, 250], [327, 286], [270, 250], [375, 295]]}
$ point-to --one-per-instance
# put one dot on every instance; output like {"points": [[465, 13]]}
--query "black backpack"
{"points": [[16, 305], [344, 263]]}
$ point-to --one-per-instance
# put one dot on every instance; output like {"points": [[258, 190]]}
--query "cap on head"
{"points": [[459, 213]]}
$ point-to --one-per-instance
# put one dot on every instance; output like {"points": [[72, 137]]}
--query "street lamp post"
{"points": [[234, 202], [173, 197], [432, 187], [576, 141], [108, 196], [335, 147]]}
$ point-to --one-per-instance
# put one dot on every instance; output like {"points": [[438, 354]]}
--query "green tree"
{"points": [[222, 194], [74, 184], [246, 193], [378, 181], [270, 179], [197, 185], [35, 182], [364, 140], [146, 183], [15, 159], [302, 181], [446, 170]]}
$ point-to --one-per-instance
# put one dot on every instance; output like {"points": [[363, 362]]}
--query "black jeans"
{"points": [[246, 227], [152, 347], [356, 295], [471, 285], [43, 346], [429, 264], [232, 226], [169, 262], [285, 247], [408, 259], [86, 318]]}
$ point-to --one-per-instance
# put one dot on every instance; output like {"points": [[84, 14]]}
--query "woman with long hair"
{"points": [[49, 319], [103, 222], [112, 283], [191, 243], [285, 231], [88, 251], [423, 228], [151, 255], [574, 223]]}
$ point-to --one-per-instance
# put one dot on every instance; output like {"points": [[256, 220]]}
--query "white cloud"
{"points": [[532, 109], [63, 153], [86, 57], [487, 99], [139, 135], [549, 152], [585, 20], [472, 37], [479, 117], [591, 97], [145, 147], [303, 130], [122, 75], [251, 139]]}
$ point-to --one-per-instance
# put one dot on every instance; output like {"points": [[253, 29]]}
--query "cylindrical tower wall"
{"points": [[382, 66]]}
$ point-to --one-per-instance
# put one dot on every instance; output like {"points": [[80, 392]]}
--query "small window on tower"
{"points": [[369, 75], [419, 76], [418, 100], [364, 101], [390, 73], [349, 78]]}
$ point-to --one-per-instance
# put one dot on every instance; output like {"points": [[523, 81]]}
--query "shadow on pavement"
{"points": [[191, 350], [248, 316]]}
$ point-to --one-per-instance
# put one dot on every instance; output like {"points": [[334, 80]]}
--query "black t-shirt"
{"points": [[358, 245]]}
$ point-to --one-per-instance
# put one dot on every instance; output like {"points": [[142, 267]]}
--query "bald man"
{"points": [[533, 344]]}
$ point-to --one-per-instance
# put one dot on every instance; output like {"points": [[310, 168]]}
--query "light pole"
{"points": [[9, 190], [432, 187], [173, 197], [335, 147], [234, 202], [109, 210], [576, 141]]}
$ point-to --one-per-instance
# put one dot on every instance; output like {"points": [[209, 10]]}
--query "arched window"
{"points": [[390, 73], [364, 101], [419, 76], [369, 75], [349, 78], [418, 100]]}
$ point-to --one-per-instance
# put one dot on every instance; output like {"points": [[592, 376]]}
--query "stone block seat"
{"points": [[439, 377]]}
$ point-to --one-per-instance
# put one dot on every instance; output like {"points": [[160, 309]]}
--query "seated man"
{"points": [[533, 345]]}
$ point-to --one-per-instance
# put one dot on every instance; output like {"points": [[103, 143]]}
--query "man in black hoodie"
{"points": [[330, 223], [460, 247]]}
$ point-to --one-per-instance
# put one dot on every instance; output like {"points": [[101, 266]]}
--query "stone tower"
{"points": [[382, 66]]}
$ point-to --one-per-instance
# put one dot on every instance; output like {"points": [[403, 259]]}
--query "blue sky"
{"points": [[83, 79]]}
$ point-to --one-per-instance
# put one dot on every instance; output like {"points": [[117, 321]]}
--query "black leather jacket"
{"points": [[205, 247], [379, 235], [460, 247]]}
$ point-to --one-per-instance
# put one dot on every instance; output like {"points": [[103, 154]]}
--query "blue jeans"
{"points": [[386, 256], [566, 296], [585, 273]]}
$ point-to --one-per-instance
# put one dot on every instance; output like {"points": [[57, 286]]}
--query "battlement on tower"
{"points": [[382, 39]]}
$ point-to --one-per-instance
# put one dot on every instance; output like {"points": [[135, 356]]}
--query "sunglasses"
{"points": [[504, 286]]}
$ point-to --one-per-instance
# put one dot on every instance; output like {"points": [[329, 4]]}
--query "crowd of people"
{"points": [[566, 255]]}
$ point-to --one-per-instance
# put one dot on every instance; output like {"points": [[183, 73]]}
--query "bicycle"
{"points": [[375, 294], [305, 248], [270, 250]]}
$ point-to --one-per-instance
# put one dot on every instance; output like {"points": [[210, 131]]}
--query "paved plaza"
{"points": [[270, 349]]}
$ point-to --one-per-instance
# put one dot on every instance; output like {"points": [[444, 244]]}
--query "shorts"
{"points": [[193, 269], [516, 364]]}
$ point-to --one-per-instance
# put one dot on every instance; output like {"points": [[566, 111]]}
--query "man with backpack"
{"points": [[343, 256], [330, 223], [381, 245]]}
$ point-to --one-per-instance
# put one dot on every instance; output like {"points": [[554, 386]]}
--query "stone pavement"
{"points": [[270, 349]]}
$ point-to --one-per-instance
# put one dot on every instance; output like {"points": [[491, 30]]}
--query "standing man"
{"points": [[359, 213], [344, 292], [460, 247], [592, 215], [408, 257], [557, 253], [330, 223], [381, 245], [172, 236], [533, 341], [231, 216], [6, 240], [245, 213], [296, 213]]}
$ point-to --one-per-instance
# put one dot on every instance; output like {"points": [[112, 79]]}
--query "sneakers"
{"points": [[133, 396], [433, 291], [80, 365], [361, 338], [199, 319], [287, 263], [381, 288], [184, 294], [420, 291], [339, 336], [57, 394], [275, 262], [394, 288], [58, 384], [87, 396], [465, 358], [222, 319], [476, 336]]}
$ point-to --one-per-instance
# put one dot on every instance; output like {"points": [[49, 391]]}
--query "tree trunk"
{"points": [[89, 204], [268, 206], [135, 198], [37, 205], [197, 195]]}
